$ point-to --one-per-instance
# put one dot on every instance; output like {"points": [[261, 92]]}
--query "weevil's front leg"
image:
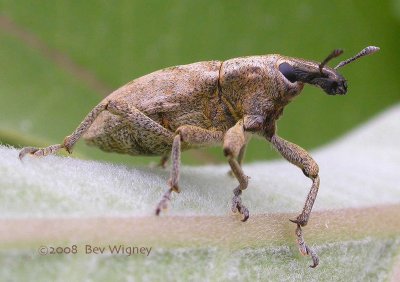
{"points": [[234, 140], [189, 135], [299, 157], [251, 123], [242, 152], [70, 140]]}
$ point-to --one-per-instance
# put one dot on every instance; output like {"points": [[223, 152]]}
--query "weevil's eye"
{"points": [[288, 71]]}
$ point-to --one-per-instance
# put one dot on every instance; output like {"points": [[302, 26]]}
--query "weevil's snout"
{"points": [[336, 87], [342, 87], [331, 82]]}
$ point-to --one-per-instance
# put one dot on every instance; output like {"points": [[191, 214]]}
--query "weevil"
{"points": [[206, 104]]}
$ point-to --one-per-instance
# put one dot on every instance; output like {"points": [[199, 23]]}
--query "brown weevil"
{"points": [[205, 104]]}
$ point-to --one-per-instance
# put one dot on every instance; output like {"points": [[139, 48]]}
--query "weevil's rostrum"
{"points": [[206, 104]]}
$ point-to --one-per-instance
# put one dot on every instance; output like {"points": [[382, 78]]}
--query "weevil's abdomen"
{"points": [[112, 134], [172, 97]]}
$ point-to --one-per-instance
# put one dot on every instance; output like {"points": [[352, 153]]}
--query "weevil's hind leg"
{"points": [[70, 140], [189, 135], [234, 141], [299, 157]]}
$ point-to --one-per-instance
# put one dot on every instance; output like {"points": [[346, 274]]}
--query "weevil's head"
{"points": [[320, 75]]}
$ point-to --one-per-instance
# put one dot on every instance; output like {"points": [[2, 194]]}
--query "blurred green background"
{"points": [[58, 59]]}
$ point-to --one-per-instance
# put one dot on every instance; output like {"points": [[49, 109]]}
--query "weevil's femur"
{"points": [[335, 53], [364, 52]]}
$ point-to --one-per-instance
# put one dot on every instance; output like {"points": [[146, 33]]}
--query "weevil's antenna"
{"points": [[335, 53], [364, 52]]}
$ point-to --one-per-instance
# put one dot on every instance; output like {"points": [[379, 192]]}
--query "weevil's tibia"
{"points": [[304, 249], [302, 219], [70, 140], [174, 179], [241, 155]]}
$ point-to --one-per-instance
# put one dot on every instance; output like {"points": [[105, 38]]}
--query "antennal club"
{"points": [[335, 53], [364, 52]]}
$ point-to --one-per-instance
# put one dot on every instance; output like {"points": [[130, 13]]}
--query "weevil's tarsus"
{"points": [[40, 152], [237, 205], [364, 52], [335, 53], [304, 248]]}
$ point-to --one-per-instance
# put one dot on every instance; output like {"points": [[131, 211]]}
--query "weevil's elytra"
{"points": [[206, 104]]}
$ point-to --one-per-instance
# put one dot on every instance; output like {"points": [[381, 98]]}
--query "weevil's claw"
{"points": [[237, 205], [304, 249], [158, 210]]}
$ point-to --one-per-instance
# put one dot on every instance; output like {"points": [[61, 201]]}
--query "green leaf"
{"points": [[59, 59]]}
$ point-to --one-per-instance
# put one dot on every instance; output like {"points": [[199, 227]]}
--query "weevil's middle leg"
{"points": [[240, 157], [237, 205], [70, 140], [191, 135], [299, 157], [174, 179], [234, 141]]}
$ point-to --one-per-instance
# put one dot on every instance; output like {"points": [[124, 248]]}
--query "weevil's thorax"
{"points": [[255, 86]]}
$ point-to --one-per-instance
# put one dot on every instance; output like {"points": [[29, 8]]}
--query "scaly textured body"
{"points": [[209, 95]]}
